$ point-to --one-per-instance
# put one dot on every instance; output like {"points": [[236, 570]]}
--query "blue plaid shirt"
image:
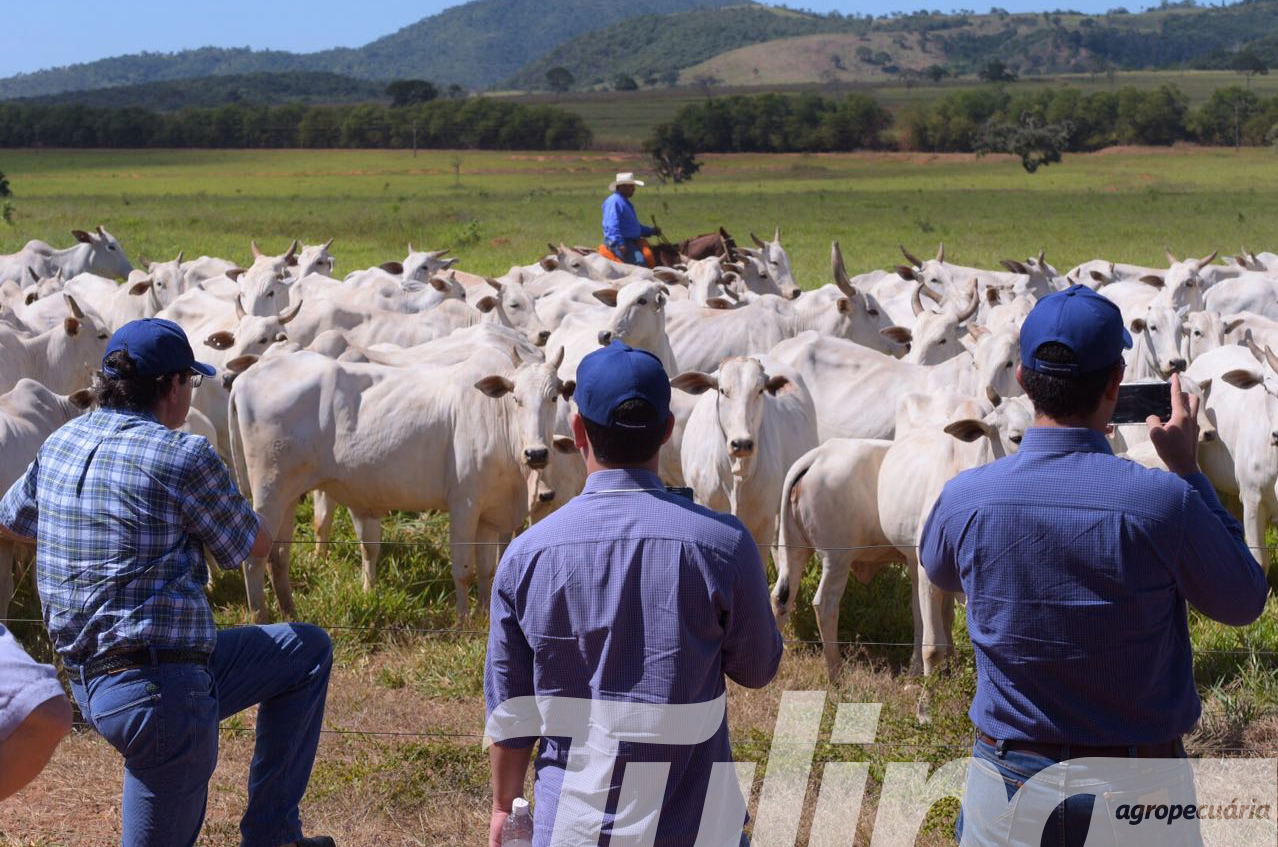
{"points": [[1077, 565], [121, 505], [630, 593]]}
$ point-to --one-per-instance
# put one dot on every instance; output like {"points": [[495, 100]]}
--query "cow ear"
{"points": [[718, 303], [486, 303], [81, 399], [140, 287], [235, 273], [694, 382], [898, 334], [1098, 276], [1242, 378], [844, 305], [549, 263], [1152, 279], [495, 386], [241, 363], [392, 267], [607, 296], [1138, 325], [905, 272], [439, 284], [71, 325], [220, 340], [564, 444], [1014, 266], [970, 429], [568, 387], [82, 236], [776, 383]]}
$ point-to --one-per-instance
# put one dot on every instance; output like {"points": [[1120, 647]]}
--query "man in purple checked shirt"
{"points": [[627, 593]]}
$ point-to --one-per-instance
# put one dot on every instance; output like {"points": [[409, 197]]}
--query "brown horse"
{"points": [[710, 244]]}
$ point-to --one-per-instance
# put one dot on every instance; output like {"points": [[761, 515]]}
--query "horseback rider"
{"points": [[621, 227]]}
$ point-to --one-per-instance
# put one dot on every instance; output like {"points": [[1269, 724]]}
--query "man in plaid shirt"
{"points": [[122, 506]]}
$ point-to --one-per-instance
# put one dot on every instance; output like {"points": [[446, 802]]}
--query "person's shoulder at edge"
{"points": [[696, 523]]}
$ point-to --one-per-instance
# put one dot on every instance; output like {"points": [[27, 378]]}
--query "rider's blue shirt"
{"points": [[620, 221]]}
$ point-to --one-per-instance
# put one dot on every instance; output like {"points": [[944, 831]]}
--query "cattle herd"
{"points": [[827, 420]]}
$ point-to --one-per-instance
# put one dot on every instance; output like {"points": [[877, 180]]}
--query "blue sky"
{"points": [[63, 32]]}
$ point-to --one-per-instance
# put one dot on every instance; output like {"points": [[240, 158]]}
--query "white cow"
{"points": [[62, 358], [1253, 292], [29, 413], [117, 304], [379, 438], [830, 508], [97, 252], [315, 259], [1181, 285], [418, 267], [935, 335], [767, 268], [753, 420], [1158, 344]]}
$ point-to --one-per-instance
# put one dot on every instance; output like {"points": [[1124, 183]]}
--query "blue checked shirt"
{"points": [[1077, 565], [120, 506], [633, 595]]}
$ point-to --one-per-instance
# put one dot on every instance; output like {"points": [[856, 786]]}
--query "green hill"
{"points": [[262, 88], [475, 44], [650, 46]]}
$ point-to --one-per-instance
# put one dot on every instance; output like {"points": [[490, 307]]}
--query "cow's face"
{"points": [[770, 264], [996, 356], [639, 318], [1163, 333], [420, 266], [741, 387], [517, 311], [534, 390], [315, 259], [1204, 331]]}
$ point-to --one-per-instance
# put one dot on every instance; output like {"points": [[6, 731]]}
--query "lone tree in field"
{"points": [[996, 71], [407, 92], [559, 79], [6, 208], [673, 154], [1037, 143]]}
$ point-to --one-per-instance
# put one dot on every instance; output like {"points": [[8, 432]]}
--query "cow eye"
{"points": [[1198, 334], [1008, 365], [643, 301], [110, 246], [270, 294], [874, 312], [1015, 439], [942, 341], [103, 336]]}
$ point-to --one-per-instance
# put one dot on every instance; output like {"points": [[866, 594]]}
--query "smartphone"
{"points": [[1138, 400], [681, 490]]}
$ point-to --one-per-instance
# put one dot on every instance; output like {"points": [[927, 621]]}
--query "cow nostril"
{"points": [[604, 337], [742, 445], [537, 458], [1178, 365], [544, 335], [546, 496]]}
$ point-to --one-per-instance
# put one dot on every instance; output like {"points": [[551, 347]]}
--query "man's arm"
{"points": [[612, 222], [509, 767], [214, 511], [936, 554], [25, 753], [19, 511], [752, 644]]}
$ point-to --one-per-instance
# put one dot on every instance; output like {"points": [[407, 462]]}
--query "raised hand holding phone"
{"points": [[1176, 439]]}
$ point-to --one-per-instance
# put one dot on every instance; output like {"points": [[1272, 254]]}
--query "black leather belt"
{"points": [[1061, 752], [117, 662]]}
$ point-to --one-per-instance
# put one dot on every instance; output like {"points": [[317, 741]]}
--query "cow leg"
{"points": [[487, 553], [916, 655], [255, 568], [835, 568], [947, 623], [1255, 522], [765, 537], [7, 557], [461, 537], [368, 529], [323, 522], [280, 557], [932, 601]]}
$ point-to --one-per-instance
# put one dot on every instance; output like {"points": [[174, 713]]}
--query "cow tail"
{"points": [[239, 465], [792, 540]]}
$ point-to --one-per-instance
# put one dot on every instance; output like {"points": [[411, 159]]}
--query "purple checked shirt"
{"points": [[1077, 565], [632, 594]]}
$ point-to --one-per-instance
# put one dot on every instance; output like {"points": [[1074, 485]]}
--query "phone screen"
{"points": [[1138, 400]]}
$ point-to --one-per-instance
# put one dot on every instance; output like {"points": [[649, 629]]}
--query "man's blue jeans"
{"points": [[164, 721], [629, 252], [990, 800]]}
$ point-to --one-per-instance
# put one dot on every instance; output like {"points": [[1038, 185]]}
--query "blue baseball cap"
{"points": [[1088, 324], [611, 375], [157, 346]]}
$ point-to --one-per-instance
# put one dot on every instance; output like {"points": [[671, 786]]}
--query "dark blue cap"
{"points": [[614, 374], [1088, 324], [157, 346]]}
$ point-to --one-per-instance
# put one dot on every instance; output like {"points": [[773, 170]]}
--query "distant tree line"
{"points": [[776, 123], [478, 123]]}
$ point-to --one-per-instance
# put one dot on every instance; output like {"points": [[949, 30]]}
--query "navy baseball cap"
{"points": [[1088, 324], [611, 375], [157, 346]]}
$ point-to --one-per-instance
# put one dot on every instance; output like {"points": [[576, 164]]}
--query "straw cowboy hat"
{"points": [[627, 178]]}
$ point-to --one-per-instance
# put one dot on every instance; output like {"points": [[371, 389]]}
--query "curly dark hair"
{"points": [[1064, 397], [126, 389]]}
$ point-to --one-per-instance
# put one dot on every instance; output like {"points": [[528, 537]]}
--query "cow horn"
{"points": [[439, 254], [840, 272], [992, 395], [940, 252], [776, 234], [558, 360], [932, 295], [179, 256], [285, 317], [910, 257], [1207, 260], [915, 302], [1171, 258], [257, 253], [35, 277], [239, 308], [292, 249], [758, 243], [1271, 358], [410, 248], [99, 229], [328, 244], [1041, 261], [76, 311], [973, 302]]}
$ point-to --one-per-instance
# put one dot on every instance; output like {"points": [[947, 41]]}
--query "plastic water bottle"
{"points": [[517, 831]]}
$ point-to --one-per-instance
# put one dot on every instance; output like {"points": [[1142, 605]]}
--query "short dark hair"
{"points": [[1063, 397], [627, 445], [125, 388]]}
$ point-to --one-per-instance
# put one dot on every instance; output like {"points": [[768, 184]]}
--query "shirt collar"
{"points": [[619, 479], [1049, 439]]}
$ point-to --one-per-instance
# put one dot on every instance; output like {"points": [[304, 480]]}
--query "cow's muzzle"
{"points": [[537, 458]]}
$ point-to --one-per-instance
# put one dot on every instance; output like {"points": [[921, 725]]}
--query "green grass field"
{"points": [[431, 787], [623, 119]]}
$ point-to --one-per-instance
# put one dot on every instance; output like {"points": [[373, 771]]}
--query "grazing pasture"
{"points": [[402, 761]]}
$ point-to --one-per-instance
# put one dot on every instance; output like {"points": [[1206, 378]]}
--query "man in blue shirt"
{"points": [[630, 595], [621, 227], [122, 507], [1077, 567]]}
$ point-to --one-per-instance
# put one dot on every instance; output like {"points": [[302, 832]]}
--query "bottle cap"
{"points": [[519, 804]]}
